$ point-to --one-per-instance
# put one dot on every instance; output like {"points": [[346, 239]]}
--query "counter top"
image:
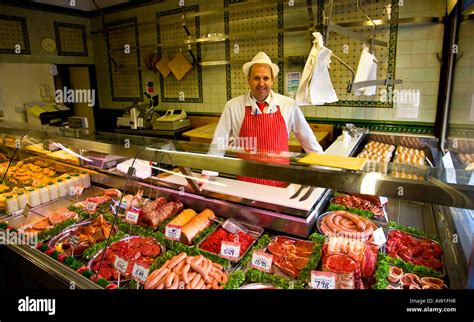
{"points": [[205, 133]]}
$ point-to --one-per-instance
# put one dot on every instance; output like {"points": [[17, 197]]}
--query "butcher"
{"points": [[259, 122]]}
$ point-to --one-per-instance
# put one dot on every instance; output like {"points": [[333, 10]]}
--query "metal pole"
{"points": [[454, 26]]}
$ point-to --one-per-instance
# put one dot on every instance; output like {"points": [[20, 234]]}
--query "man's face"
{"points": [[260, 81]]}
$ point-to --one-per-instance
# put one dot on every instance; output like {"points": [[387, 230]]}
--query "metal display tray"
{"points": [[443, 272], [377, 220], [254, 231], [20, 221], [96, 256], [275, 270], [321, 217], [64, 235]]}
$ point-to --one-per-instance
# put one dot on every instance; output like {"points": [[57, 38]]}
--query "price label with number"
{"points": [[173, 232], [230, 250], [91, 206], [262, 261], [72, 191], [132, 216], [121, 265], [140, 273], [379, 237], [79, 190], [323, 280]]}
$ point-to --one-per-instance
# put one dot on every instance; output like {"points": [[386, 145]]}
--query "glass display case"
{"points": [[139, 186]]}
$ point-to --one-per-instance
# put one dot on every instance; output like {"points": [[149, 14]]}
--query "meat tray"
{"points": [[443, 272], [20, 221], [92, 260], [62, 237], [275, 270], [321, 217], [377, 220], [254, 231]]}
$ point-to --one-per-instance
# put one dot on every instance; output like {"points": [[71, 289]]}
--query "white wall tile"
{"points": [[321, 111], [419, 46], [428, 115], [333, 112], [358, 113]]}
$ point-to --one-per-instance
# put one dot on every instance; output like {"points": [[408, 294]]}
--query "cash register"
{"points": [[172, 120]]}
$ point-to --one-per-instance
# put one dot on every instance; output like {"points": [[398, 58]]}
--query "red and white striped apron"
{"points": [[270, 135]]}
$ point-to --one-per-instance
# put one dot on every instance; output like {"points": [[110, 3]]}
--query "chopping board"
{"points": [[179, 66], [162, 66], [334, 161]]}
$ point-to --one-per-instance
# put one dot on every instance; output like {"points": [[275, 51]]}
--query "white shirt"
{"points": [[232, 117]]}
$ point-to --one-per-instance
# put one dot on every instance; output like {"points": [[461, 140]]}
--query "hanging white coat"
{"points": [[315, 87]]}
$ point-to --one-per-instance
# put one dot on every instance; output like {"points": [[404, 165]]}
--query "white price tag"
{"points": [[230, 250], [132, 216], [323, 280], [121, 265], [379, 237], [262, 261], [90, 206], [79, 190], [72, 191], [173, 232], [383, 200], [140, 273], [74, 240]]}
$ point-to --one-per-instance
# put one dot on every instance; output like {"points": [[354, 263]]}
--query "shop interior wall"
{"points": [[26, 72], [416, 62], [461, 115]]}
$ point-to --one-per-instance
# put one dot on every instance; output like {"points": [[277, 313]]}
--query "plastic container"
{"points": [[11, 204], [22, 199], [53, 191], [76, 180], [69, 182], [44, 194], [62, 188], [86, 179], [33, 197]]}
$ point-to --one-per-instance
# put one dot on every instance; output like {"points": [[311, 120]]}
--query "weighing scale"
{"points": [[172, 120]]}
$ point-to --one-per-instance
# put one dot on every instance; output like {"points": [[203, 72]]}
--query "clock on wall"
{"points": [[48, 44]]}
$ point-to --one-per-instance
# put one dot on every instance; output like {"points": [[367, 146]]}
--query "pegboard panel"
{"points": [[350, 50], [125, 75], [71, 39], [170, 29], [239, 51], [14, 32]]}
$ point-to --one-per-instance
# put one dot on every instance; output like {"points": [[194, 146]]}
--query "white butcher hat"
{"points": [[261, 58]]}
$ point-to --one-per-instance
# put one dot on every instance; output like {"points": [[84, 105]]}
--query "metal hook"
{"points": [[373, 27]]}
